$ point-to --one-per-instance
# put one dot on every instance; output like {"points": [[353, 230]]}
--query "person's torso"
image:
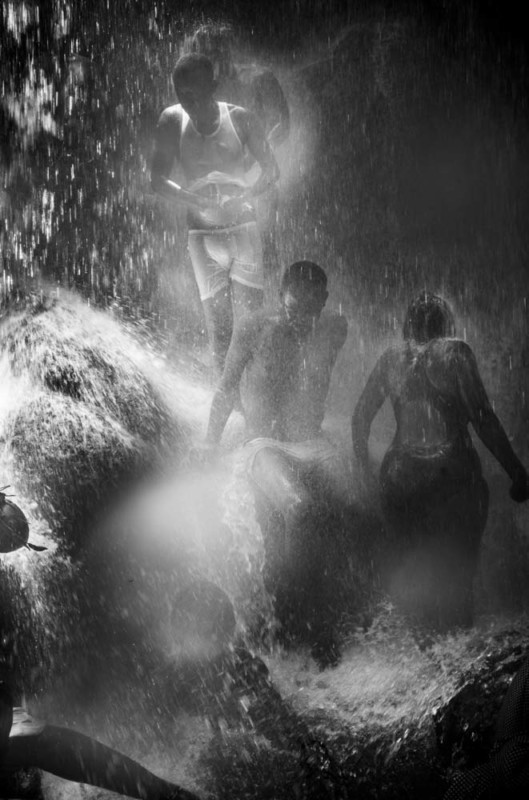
{"points": [[220, 151], [214, 167], [287, 380], [428, 410]]}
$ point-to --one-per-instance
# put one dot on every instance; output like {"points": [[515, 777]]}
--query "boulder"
{"points": [[89, 418], [465, 725]]}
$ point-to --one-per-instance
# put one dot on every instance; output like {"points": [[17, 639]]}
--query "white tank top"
{"points": [[213, 165], [221, 151]]}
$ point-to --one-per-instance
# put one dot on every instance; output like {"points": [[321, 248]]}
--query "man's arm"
{"points": [[369, 403], [271, 105], [166, 152], [485, 422], [238, 355], [252, 135]]}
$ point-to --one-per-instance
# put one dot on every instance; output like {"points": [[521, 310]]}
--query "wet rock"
{"points": [[377, 761], [89, 419], [24, 784], [70, 459], [465, 725]]}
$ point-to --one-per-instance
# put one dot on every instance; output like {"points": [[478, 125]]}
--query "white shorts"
{"points": [[225, 254]]}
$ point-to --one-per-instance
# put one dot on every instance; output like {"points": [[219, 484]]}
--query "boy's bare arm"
{"points": [[367, 407]]}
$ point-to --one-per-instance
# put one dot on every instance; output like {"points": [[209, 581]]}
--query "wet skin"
{"points": [[287, 359], [435, 416], [78, 758], [433, 492], [195, 94]]}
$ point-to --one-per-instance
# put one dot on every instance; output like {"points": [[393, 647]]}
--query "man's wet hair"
{"points": [[193, 64], [303, 273], [428, 317]]}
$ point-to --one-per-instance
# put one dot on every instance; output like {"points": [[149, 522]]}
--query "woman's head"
{"points": [[428, 317]]}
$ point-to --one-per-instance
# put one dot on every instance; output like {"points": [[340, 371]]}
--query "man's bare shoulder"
{"points": [[256, 322], [394, 356], [334, 326], [391, 366], [171, 116], [451, 352]]}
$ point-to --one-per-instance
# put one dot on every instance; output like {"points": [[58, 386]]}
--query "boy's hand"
{"points": [[236, 206]]}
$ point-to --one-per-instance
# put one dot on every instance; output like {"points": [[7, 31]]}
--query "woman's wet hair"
{"points": [[303, 273], [193, 64], [428, 317]]}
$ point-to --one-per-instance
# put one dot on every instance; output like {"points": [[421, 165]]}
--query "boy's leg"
{"points": [[245, 300], [76, 757], [219, 324], [211, 260], [246, 271]]}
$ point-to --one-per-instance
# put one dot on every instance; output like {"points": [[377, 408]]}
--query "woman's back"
{"points": [[424, 387]]}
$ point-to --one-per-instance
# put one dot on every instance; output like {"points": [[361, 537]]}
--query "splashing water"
{"points": [[109, 618]]}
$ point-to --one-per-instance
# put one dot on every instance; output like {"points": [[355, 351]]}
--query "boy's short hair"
{"points": [[193, 64], [303, 273]]}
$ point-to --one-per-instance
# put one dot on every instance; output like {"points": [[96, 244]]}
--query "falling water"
{"points": [[404, 169], [106, 624]]}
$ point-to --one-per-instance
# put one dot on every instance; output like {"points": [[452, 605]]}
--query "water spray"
{"points": [[14, 527]]}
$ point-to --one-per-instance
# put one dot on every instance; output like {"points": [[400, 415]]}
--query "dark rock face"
{"points": [[465, 726]]}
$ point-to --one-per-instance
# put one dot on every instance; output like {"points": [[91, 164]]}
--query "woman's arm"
{"points": [[485, 422], [367, 407]]}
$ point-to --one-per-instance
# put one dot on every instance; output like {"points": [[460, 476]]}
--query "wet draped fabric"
{"points": [[417, 485], [301, 561], [318, 462], [226, 254], [434, 499], [436, 506], [315, 452]]}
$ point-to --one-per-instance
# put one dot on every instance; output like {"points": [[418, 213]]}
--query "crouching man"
{"points": [[287, 359]]}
